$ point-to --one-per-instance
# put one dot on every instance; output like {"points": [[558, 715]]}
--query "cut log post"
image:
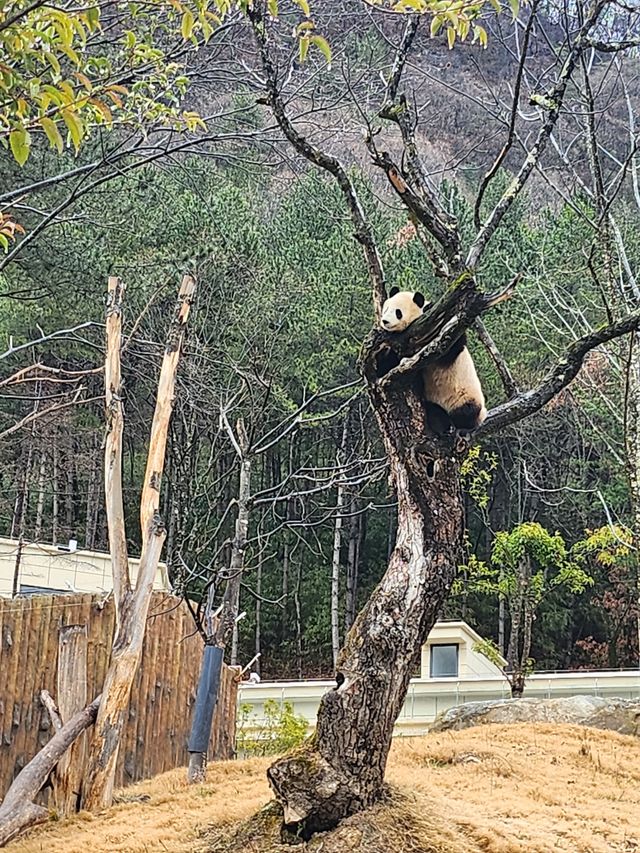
{"points": [[72, 696], [18, 811]]}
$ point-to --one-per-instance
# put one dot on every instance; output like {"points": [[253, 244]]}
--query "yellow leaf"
{"points": [[451, 37], [20, 143], [186, 28], [515, 8], [53, 134], [273, 8], [306, 11], [304, 47], [75, 127], [436, 24]]}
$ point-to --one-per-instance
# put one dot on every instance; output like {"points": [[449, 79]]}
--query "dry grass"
{"points": [[528, 788]]}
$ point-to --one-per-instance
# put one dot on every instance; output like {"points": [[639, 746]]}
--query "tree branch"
{"points": [[512, 120], [422, 204], [552, 102], [559, 376], [363, 230]]}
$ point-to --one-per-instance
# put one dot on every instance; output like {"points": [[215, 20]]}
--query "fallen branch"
{"points": [[18, 811]]}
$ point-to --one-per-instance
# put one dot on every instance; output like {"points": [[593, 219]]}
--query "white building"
{"points": [[37, 568], [451, 673]]}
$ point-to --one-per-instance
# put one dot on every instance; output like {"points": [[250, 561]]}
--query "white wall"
{"points": [[427, 698], [45, 566]]}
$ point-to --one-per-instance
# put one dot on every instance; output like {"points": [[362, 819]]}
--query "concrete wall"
{"points": [[46, 567], [427, 698]]}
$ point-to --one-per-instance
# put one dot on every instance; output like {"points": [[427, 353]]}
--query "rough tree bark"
{"points": [[340, 769], [132, 604]]}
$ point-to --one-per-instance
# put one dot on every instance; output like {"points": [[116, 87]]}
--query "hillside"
{"points": [[496, 789]]}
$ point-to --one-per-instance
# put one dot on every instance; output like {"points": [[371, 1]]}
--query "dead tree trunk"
{"points": [[132, 605], [18, 811], [71, 691]]}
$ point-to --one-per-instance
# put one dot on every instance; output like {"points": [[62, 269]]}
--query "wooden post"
{"points": [[72, 697]]}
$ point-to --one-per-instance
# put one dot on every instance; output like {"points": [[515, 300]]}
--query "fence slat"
{"points": [[162, 698]]}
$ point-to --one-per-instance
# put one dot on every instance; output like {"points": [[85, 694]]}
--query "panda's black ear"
{"points": [[418, 298], [393, 291]]}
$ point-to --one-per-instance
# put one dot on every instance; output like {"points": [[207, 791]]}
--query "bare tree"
{"points": [[132, 601], [341, 768]]}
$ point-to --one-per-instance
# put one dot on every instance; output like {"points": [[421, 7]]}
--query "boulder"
{"points": [[618, 715]]}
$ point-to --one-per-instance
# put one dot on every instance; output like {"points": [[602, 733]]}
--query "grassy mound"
{"points": [[398, 824], [528, 788]]}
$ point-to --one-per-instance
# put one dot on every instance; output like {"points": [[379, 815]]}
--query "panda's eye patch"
{"points": [[398, 314]]}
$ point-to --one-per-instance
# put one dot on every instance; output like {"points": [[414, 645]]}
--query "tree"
{"points": [[527, 564], [340, 769]]}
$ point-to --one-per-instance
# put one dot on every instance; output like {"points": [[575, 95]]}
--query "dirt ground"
{"points": [[528, 788]]}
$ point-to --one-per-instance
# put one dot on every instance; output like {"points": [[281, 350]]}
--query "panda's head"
{"points": [[401, 309]]}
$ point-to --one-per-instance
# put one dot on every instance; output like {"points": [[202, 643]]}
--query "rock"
{"points": [[618, 715]]}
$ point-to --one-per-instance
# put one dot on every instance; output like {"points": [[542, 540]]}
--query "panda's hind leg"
{"points": [[438, 420], [467, 417]]}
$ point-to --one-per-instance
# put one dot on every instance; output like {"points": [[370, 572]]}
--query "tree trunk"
{"points": [[258, 639], [132, 606], [335, 575], [55, 499], [340, 769], [226, 623], [71, 691], [632, 448], [93, 495], [353, 561], [37, 528]]}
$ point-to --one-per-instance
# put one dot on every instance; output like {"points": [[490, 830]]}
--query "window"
{"points": [[444, 661]]}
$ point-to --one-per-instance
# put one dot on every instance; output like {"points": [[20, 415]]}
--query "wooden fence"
{"points": [[163, 693]]}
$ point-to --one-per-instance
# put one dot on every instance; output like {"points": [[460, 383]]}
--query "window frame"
{"points": [[433, 646]]}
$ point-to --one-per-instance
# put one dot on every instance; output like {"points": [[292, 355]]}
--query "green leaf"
{"points": [[93, 17], [53, 134], [20, 143], [4, 242], [75, 126], [323, 45], [436, 24], [186, 27], [303, 4], [515, 7], [273, 8]]}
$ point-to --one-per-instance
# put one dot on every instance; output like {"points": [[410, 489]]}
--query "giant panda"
{"points": [[452, 389]]}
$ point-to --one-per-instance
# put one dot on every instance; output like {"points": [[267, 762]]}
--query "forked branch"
{"points": [[363, 230], [559, 376], [552, 103]]}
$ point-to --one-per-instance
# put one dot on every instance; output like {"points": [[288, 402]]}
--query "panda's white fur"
{"points": [[451, 382]]}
